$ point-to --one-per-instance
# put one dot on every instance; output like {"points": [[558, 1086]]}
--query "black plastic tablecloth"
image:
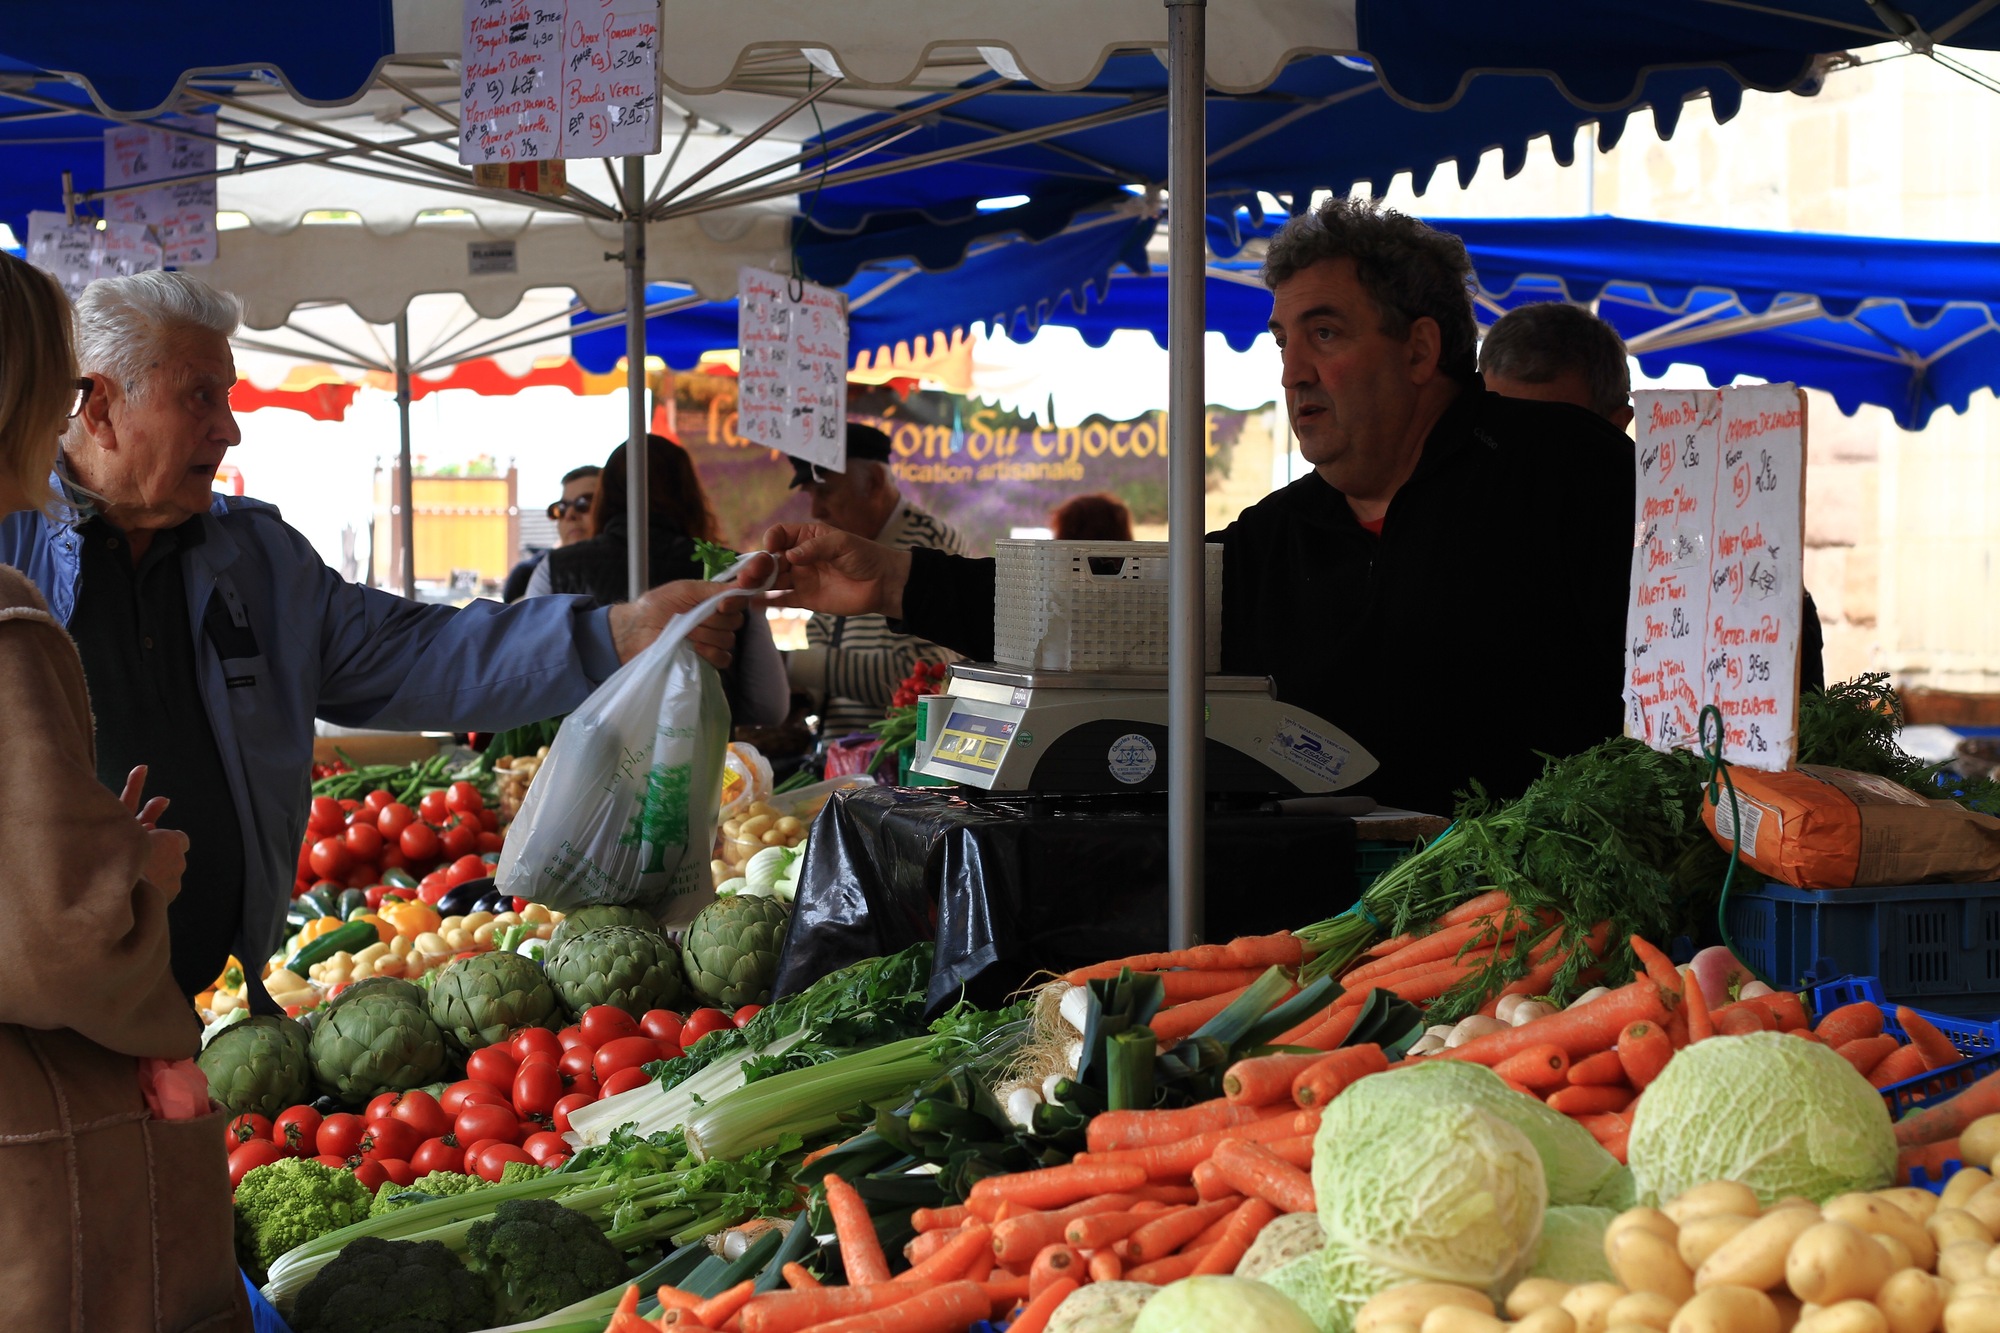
{"points": [[1008, 888]]}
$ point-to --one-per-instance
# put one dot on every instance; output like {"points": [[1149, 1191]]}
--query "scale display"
{"points": [[973, 741]]}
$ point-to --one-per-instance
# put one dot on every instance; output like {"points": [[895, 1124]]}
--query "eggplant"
{"points": [[495, 902], [328, 1105], [461, 900]]}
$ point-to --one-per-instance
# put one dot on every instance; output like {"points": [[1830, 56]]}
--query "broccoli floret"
{"points": [[513, 1173], [393, 1286], [436, 1185], [538, 1256], [282, 1206]]}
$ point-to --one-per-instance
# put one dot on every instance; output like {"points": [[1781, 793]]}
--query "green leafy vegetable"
{"points": [[1854, 725], [714, 557], [538, 1256], [286, 1204]]}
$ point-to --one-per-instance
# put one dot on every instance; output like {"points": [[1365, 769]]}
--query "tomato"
{"points": [[362, 877], [339, 1133], [493, 1066], [421, 1112], [537, 1089], [585, 1082], [538, 1057], [399, 1172], [330, 859], [326, 817], [393, 818], [662, 1025], [489, 821], [348, 806], [578, 1061], [470, 1092], [548, 1149], [379, 1105], [433, 809], [465, 796], [621, 1054], [375, 800], [432, 888], [438, 1154], [744, 1013], [702, 1022], [419, 842], [245, 1128], [389, 1137], [391, 857], [297, 1130], [669, 1051], [490, 842], [328, 1159], [378, 892], [364, 841], [487, 1122], [465, 866], [249, 1156], [624, 1081], [567, 1104], [529, 1040], [494, 1161], [571, 1036], [604, 1022], [371, 1173]]}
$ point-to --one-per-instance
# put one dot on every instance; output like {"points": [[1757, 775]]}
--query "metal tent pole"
{"points": [[1187, 189], [636, 508], [406, 522]]}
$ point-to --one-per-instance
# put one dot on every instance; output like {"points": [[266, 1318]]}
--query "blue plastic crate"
{"points": [[1978, 1041], [1934, 946]]}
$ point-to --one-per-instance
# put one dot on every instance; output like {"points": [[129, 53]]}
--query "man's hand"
{"points": [[825, 569], [634, 625], [135, 785], [166, 859]]}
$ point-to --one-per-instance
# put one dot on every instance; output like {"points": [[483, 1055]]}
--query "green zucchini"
{"points": [[352, 901], [354, 935], [398, 879]]}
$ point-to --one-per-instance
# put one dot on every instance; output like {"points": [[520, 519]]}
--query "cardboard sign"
{"points": [[792, 385], [559, 79], [79, 253], [1718, 570], [181, 215]]}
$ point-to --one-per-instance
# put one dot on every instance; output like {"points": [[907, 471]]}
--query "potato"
{"points": [[1410, 1303], [1755, 1256], [1646, 1219], [1548, 1319], [1703, 1236], [1979, 1144], [1644, 1308], [1721, 1196], [1845, 1317], [1985, 1206], [1962, 1186], [1535, 1293], [1628, 1328], [1919, 1204], [1899, 1253], [1879, 1217], [1835, 1261], [1963, 1260], [1458, 1319], [1589, 1305], [1985, 1288], [1646, 1261], [1978, 1314], [1727, 1310], [1911, 1301], [1950, 1225], [1993, 1263]]}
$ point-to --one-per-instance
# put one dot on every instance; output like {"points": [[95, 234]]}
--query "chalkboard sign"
{"points": [[79, 253], [181, 215], [1718, 570], [792, 387], [559, 79]]}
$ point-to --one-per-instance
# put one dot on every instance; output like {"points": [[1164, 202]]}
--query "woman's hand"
{"points": [[166, 860], [634, 625], [135, 786]]}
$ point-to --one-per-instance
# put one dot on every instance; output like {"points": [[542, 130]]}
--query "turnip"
{"points": [[1715, 969]]}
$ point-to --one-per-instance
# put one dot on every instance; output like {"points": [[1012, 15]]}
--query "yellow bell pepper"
{"points": [[383, 930], [411, 919]]}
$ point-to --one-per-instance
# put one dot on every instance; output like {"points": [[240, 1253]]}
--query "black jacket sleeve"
{"points": [[949, 600]]}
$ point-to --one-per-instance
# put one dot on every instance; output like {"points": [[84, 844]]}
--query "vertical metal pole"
{"points": [[406, 522], [637, 510], [1187, 680]]}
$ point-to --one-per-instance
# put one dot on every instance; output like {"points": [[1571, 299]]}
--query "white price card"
{"points": [[792, 362], [79, 253], [181, 214], [552, 80]]}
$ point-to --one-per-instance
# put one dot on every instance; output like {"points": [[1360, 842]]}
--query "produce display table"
{"points": [[1010, 887]]}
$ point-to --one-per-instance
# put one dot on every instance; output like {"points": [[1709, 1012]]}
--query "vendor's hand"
{"points": [[634, 625], [825, 569], [166, 859], [135, 786]]}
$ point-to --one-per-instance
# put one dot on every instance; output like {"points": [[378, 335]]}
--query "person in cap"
{"points": [[851, 665]]}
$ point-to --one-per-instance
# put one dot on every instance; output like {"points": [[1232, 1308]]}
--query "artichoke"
{"points": [[258, 1065], [633, 970], [731, 950], [478, 1001], [590, 918], [376, 1036]]}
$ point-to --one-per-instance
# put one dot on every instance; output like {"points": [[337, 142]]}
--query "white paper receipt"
{"points": [[1132, 758], [1302, 747]]}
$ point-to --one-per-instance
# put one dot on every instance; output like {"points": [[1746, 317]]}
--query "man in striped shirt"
{"points": [[851, 665]]}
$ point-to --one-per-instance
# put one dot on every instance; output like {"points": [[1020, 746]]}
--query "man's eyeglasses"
{"points": [[580, 505], [84, 385]]}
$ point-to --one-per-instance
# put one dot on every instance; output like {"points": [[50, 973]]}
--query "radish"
{"points": [[1716, 969]]}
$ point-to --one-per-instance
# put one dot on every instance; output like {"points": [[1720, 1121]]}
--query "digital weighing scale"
{"points": [[1009, 729]]}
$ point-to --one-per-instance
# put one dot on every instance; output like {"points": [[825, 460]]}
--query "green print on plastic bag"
{"points": [[663, 808]]}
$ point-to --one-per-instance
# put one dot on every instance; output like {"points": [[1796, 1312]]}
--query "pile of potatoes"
{"points": [[1713, 1261]]}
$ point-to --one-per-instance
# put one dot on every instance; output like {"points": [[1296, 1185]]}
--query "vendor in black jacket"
{"points": [[1449, 584]]}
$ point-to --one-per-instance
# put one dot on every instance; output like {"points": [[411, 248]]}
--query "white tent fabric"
{"points": [[442, 328]]}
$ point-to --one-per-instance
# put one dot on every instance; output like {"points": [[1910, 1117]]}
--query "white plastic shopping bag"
{"points": [[623, 810]]}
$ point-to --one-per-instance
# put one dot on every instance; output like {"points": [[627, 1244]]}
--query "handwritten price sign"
{"points": [[181, 216], [80, 253], [549, 80], [792, 390], [1717, 571]]}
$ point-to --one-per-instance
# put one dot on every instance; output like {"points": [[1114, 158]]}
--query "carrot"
{"points": [[1583, 1029], [1298, 1151], [1603, 1124], [1208, 1181], [1443, 944], [1177, 1161], [1251, 1217], [624, 1321], [1181, 1021], [1421, 987], [799, 1278], [1259, 951], [981, 1267], [1617, 1141], [927, 1243], [1054, 1186], [1930, 1156], [1326, 1029], [941, 1219], [1850, 1022], [1213, 1231], [1183, 986], [1905, 1062], [1112, 1130], [1328, 1078], [1004, 1292], [1701, 1023], [1106, 1267], [1167, 1233], [1101, 1229], [1948, 1119], [1034, 1316], [1262, 1174], [1547, 958], [952, 1259], [1017, 1240], [1865, 1053], [1643, 1050], [673, 1298], [944, 1309], [720, 1308], [628, 1303], [1484, 905], [1264, 1079], [1577, 1100], [1658, 966], [1055, 1261], [1158, 1193], [860, 1248], [1734, 1020], [791, 1311], [1936, 1048], [1604, 1067], [1521, 1088], [1160, 1272], [1545, 1066]]}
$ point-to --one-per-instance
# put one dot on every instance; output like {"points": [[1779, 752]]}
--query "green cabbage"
{"points": [[1781, 1115], [1572, 1248], [1332, 1285], [1202, 1304]]}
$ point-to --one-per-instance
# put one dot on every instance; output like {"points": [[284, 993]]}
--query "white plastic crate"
{"points": [[1092, 606]]}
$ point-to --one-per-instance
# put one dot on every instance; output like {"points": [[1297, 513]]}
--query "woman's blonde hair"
{"points": [[37, 375]]}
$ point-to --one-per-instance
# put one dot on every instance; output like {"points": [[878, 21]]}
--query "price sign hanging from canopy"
{"points": [[558, 79], [79, 253], [181, 215], [1718, 586], [792, 366]]}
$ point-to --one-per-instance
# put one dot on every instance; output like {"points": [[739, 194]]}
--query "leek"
{"points": [[809, 1102]]}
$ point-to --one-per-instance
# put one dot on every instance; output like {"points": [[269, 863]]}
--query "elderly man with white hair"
{"points": [[212, 634]]}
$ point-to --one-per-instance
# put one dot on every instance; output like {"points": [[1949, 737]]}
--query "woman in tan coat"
{"points": [[110, 1220]]}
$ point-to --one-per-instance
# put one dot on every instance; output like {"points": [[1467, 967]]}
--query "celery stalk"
{"points": [[808, 1101]]}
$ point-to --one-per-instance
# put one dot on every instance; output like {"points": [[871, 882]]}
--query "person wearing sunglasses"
{"points": [[573, 524]]}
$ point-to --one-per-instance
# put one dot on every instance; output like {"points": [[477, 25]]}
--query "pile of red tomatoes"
{"points": [[439, 845]]}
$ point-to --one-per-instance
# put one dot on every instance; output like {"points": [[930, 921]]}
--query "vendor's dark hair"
{"points": [[1092, 518], [1410, 269], [673, 490], [584, 473], [1541, 342]]}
